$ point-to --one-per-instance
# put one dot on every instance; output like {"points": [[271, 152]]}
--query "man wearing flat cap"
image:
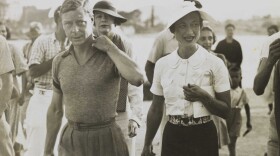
{"points": [[86, 81]]}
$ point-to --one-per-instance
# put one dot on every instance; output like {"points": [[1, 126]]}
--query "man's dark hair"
{"points": [[229, 25], [275, 27], [71, 5], [235, 69], [56, 14]]}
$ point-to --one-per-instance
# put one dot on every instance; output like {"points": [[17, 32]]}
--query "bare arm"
{"points": [[37, 70], [54, 119], [125, 65], [153, 121], [220, 105], [149, 68], [265, 68], [6, 90]]}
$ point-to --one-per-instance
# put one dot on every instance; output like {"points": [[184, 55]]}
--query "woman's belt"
{"points": [[188, 121]]}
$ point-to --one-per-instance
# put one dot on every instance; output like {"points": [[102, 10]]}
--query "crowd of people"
{"points": [[87, 73]]}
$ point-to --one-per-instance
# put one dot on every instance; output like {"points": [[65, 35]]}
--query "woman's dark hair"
{"points": [[7, 30], [206, 28]]}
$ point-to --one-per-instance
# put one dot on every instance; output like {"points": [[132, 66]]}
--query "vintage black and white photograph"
{"points": [[139, 78]]}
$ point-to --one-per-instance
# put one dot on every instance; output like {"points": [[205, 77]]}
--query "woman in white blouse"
{"points": [[192, 84]]}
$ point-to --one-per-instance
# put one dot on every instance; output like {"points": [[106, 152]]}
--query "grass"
{"points": [[253, 144]]}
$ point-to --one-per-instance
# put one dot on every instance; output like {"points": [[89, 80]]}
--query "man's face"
{"points": [[103, 23], [187, 29], [206, 39], [77, 25], [3, 31], [230, 32]]}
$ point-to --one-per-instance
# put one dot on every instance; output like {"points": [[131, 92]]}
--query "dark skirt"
{"points": [[103, 141], [198, 140]]}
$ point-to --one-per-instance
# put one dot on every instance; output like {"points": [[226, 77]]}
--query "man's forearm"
{"points": [[54, 120], [126, 66], [262, 77], [37, 70]]}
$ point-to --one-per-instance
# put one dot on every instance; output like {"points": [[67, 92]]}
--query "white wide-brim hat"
{"points": [[187, 8]]}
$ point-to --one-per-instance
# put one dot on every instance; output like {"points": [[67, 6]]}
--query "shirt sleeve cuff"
{"points": [[135, 119], [155, 90]]}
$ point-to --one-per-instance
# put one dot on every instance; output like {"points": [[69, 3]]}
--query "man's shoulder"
{"points": [[60, 57], [44, 38]]}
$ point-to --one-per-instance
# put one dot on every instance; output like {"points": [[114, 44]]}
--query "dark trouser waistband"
{"points": [[91, 126]]}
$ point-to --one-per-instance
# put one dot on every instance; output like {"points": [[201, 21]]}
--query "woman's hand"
{"points": [[194, 93]]}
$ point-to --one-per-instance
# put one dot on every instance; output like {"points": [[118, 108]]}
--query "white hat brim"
{"points": [[186, 10]]}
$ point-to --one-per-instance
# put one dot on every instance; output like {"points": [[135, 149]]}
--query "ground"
{"points": [[253, 144]]}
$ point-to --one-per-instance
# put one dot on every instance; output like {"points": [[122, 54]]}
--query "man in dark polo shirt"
{"points": [[86, 81], [230, 47]]}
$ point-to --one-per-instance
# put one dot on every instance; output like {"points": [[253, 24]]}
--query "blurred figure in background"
{"points": [[43, 51], [6, 88], [13, 112], [35, 30], [272, 30], [206, 40], [230, 47], [239, 100]]}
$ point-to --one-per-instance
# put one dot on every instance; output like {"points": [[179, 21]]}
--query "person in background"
{"points": [[264, 84], [43, 51], [272, 30], [130, 102], [238, 100], [86, 81], [185, 82], [35, 30], [13, 111], [206, 40], [6, 88], [230, 47]]}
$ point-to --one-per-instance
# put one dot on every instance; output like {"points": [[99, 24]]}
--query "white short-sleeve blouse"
{"points": [[172, 73]]}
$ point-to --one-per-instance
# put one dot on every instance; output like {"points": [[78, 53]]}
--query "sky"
{"points": [[219, 9]]}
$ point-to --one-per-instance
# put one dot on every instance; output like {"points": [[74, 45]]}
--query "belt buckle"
{"points": [[41, 92]]}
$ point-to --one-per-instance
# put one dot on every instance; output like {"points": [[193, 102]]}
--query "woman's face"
{"points": [[206, 39], [104, 23], [3, 31], [187, 29]]}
